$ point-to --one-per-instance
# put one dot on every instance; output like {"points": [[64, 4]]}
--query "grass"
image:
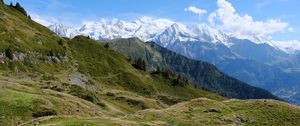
{"points": [[112, 68], [233, 112], [77, 121], [193, 113], [21, 34], [38, 90], [271, 112], [20, 103]]}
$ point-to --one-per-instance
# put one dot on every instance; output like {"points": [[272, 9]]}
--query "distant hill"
{"points": [[257, 61], [202, 74]]}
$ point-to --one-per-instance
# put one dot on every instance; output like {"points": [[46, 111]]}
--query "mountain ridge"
{"points": [[201, 42], [202, 74], [117, 28], [50, 80]]}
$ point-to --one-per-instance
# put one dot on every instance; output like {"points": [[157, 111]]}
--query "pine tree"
{"points": [[9, 53], [20, 8], [1, 2], [11, 4], [158, 69], [129, 59], [143, 67], [140, 64], [60, 42], [106, 45]]}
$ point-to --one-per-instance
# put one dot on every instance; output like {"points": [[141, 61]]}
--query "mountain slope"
{"points": [[200, 73], [237, 57], [197, 112], [80, 81], [43, 74]]}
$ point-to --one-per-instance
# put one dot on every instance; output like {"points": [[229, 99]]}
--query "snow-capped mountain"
{"points": [[258, 61], [63, 30], [163, 31], [147, 29]]}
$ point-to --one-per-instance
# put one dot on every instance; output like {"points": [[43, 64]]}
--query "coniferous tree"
{"points": [[11, 4], [20, 8], [1, 2], [106, 45], [9, 53], [60, 42], [158, 69], [129, 59], [143, 67], [140, 64]]}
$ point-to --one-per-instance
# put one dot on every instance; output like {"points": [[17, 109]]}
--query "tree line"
{"points": [[17, 7]]}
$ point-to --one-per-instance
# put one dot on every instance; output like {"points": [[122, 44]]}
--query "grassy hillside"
{"points": [[45, 75], [48, 80], [202, 74], [108, 67], [199, 112]]}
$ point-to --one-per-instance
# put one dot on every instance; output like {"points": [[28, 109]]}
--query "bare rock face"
{"points": [[54, 59], [19, 56], [34, 56], [2, 56]]}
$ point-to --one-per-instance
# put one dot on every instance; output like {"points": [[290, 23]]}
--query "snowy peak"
{"points": [[290, 47], [210, 34], [59, 29], [163, 31], [146, 28]]}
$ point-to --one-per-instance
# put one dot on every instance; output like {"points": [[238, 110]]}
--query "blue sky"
{"points": [[74, 12]]}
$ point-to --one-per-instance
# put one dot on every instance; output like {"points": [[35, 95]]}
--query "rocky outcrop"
{"points": [[33, 56]]}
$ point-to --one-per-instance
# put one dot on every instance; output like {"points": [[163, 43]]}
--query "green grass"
{"points": [[73, 121], [21, 34], [38, 89], [192, 113], [112, 68], [238, 112], [270, 112]]}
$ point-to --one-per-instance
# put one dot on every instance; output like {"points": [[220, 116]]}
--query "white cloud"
{"points": [[291, 46], [195, 10], [42, 20], [230, 21], [262, 4], [290, 29], [211, 18]]}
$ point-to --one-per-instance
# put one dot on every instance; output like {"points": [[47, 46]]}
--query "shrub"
{"points": [[43, 113], [20, 8], [9, 53]]}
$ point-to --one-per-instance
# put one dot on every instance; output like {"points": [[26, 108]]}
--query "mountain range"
{"points": [[201, 74], [46, 79], [272, 65]]}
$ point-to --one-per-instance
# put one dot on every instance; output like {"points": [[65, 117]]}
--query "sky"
{"points": [[274, 19]]}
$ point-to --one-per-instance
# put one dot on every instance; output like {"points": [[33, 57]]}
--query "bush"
{"points": [[106, 45], [60, 42], [9, 54], [21, 9], [43, 113], [110, 94], [140, 64]]}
